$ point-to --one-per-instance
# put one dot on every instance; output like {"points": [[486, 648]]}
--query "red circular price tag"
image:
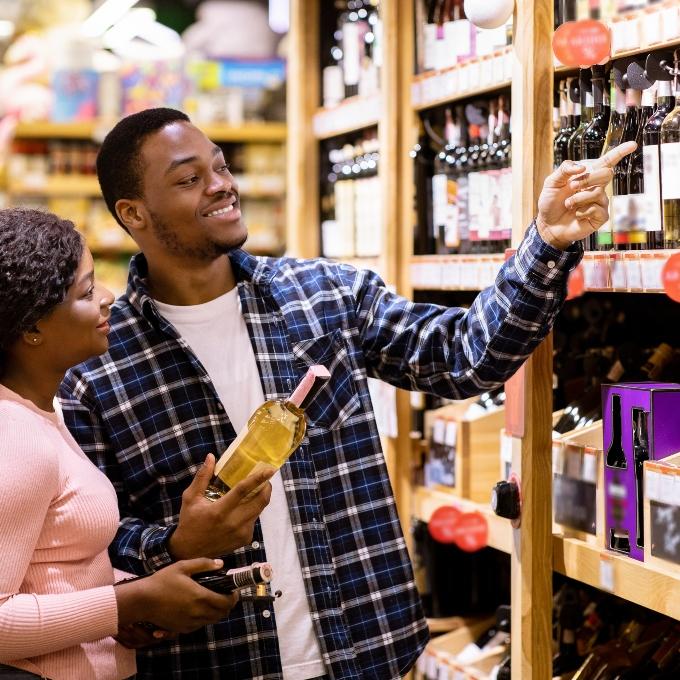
{"points": [[582, 43], [670, 276], [443, 523], [472, 532], [576, 284]]}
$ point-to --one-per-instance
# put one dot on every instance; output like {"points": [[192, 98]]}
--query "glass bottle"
{"points": [[651, 152], [670, 167], [273, 432]]}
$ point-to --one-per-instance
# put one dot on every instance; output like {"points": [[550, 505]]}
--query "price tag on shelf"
{"points": [[632, 33], [651, 266], [651, 27], [589, 471], [652, 484], [633, 274], [498, 68], [607, 572], [617, 272], [575, 283], [670, 22], [443, 524], [464, 78]]}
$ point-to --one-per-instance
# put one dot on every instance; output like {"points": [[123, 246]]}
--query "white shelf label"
{"points": [[607, 572]]}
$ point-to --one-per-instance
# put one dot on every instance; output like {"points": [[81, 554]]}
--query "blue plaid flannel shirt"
{"points": [[146, 413]]}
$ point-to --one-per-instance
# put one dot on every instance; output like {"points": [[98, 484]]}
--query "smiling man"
{"points": [[206, 332]]}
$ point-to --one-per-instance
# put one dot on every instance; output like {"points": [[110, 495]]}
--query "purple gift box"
{"points": [[640, 421]]}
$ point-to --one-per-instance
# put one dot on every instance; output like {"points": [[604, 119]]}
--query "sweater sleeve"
{"points": [[33, 624]]}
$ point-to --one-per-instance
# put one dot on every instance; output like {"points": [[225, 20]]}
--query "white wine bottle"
{"points": [[273, 432]]}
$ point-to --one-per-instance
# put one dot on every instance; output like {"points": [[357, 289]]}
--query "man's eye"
{"points": [[189, 180], [224, 168]]}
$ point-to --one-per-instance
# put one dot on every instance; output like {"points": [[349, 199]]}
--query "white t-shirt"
{"points": [[218, 336]]}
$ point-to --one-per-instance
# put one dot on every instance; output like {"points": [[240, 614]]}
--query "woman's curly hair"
{"points": [[39, 256]]}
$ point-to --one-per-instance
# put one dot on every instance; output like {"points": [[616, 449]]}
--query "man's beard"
{"points": [[206, 251]]}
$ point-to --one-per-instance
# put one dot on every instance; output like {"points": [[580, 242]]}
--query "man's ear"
{"points": [[131, 214]]}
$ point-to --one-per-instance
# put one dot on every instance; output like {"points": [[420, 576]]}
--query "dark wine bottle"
{"points": [[616, 456], [670, 167], [620, 203], [586, 100], [569, 619], [640, 455], [561, 141], [637, 235], [651, 153], [423, 155], [593, 138]]}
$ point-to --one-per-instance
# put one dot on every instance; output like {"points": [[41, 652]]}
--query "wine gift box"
{"points": [[464, 450], [578, 485], [662, 512], [640, 423]]}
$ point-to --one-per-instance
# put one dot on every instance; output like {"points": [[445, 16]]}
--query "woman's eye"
{"points": [[90, 293]]}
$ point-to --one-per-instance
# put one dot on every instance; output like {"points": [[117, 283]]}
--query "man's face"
{"points": [[190, 196]]}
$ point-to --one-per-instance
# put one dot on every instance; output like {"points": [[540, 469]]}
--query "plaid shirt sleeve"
{"points": [[139, 547], [454, 352]]}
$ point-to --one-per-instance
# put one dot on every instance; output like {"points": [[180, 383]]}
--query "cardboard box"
{"points": [[578, 485], [662, 513], [464, 450], [640, 416]]}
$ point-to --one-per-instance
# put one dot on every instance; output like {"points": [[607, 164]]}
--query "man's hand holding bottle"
{"points": [[213, 528]]}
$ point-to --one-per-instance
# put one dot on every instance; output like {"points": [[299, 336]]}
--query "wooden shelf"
{"points": [[55, 185], [96, 130], [454, 272], [636, 271], [659, 28], [426, 501], [250, 186], [472, 78], [352, 115], [638, 582]]}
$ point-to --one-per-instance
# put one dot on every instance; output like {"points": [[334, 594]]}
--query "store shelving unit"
{"points": [[535, 551], [97, 129]]}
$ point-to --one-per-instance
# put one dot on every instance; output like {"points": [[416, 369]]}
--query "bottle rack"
{"points": [[535, 551]]}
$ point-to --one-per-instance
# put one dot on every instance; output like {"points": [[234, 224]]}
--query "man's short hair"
{"points": [[119, 161]]}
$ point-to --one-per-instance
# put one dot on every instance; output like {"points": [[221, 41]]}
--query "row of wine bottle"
{"points": [[644, 107], [351, 202], [463, 180], [595, 637], [603, 10]]}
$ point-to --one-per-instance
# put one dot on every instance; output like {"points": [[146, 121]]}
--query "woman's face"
{"points": [[77, 328]]}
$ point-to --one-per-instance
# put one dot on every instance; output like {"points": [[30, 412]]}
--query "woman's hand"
{"points": [[573, 203], [138, 635], [171, 600]]}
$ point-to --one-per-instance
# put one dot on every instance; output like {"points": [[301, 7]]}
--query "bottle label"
{"points": [[351, 61], [652, 208], [670, 168], [620, 218]]}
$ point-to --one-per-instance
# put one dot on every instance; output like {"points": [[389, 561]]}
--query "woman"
{"points": [[59, 609]]}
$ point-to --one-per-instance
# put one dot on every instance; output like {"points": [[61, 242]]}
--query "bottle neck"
{"points": [[619, 100], [633, 99], [616, 419]]}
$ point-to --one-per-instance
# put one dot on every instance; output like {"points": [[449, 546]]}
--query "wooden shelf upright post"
{"points": [[531, 557]]}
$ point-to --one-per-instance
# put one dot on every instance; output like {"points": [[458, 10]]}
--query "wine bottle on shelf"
{"points": [[475, 186], [569, 619], [593, 138], [637, 199], [640, 455], [273, 432], [504, 164], [423, 155], [586, 104], [459, 175], [670, 166], [561, 141], [443, 192], [605, 235], [620, 202], [656, 66]]}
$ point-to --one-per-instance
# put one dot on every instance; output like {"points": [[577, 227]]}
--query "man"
{"points": [[206, 333]]}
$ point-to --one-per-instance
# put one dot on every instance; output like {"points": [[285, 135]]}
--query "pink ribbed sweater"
{"points": [[58, 513]]}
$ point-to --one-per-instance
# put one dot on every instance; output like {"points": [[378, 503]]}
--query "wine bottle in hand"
{"points": [[273, 432]]}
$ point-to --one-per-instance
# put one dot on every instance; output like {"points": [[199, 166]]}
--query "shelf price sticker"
{"points": [[670, 276], [576, 285], [443, 522], [467, 530], [607, 581]]}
